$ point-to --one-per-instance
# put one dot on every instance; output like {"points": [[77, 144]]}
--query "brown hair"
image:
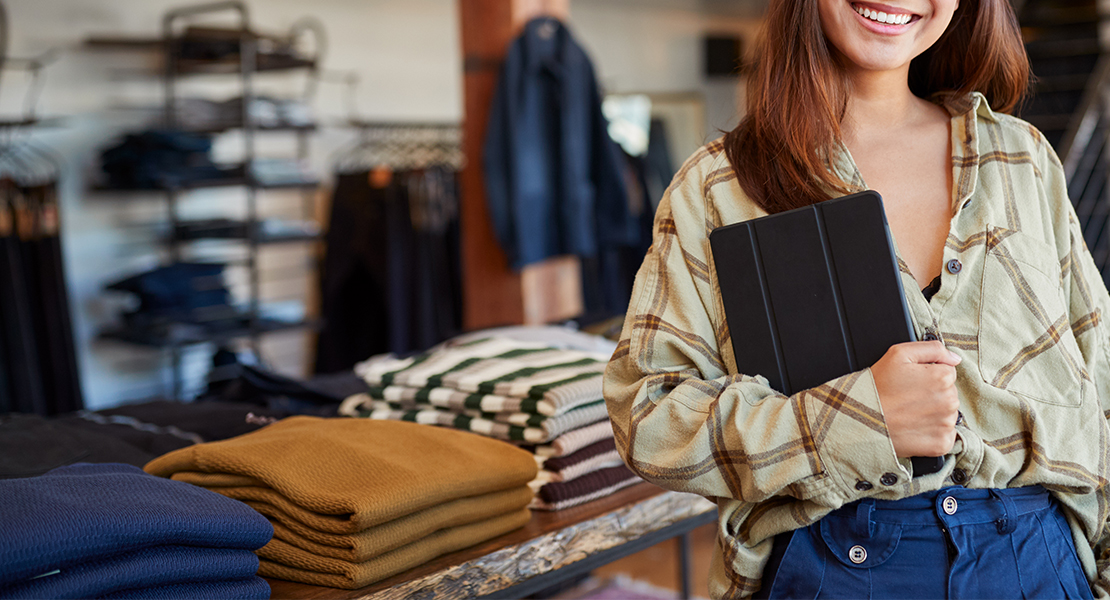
{"points": [[797, 94]]}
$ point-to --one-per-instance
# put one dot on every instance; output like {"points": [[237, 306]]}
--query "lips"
{"points": [[884, 15]]}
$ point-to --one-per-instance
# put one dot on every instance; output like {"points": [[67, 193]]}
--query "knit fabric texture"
{"points": [[285, 561], [587, 486], [368, 544], [574, 440], [251, 588], [156, 566], [517, 427], [361, 472], [86, 512], [555, 379]]}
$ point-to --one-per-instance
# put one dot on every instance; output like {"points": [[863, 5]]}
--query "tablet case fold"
{"points": [[813, 293]]}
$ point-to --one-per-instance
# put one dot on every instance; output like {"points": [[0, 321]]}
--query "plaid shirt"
{"points": [[1021, 302]]}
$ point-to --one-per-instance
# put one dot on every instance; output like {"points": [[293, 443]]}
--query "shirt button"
{"points": [[949, 505], [959, 476], [863, 486], [968, 203], [930, 337], [888, 479], [954, 266]]}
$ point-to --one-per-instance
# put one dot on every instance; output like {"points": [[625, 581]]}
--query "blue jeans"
{"points": [[951, 543]]}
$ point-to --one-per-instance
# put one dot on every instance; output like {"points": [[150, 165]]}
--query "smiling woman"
{"points": [[1010, 385]]}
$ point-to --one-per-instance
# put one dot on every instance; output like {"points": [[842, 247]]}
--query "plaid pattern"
{"points": [[516, 427], [1023, 311]]}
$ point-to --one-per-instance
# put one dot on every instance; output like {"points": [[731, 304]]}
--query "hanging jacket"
{"points": [[553, 178]]}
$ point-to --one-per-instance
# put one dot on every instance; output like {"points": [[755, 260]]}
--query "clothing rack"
{"points": [[401, 146]]}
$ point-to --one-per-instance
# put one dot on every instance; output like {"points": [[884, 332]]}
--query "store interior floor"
{"points": [[650, 574]]}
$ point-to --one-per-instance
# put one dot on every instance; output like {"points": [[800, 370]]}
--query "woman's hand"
{"points": [[917, 389]]}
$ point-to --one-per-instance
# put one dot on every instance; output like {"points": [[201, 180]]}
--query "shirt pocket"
{"points": [[1026, 345]]}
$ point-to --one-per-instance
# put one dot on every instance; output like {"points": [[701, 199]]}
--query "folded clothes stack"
{"points": [[545, 398], [353, 501], [112, 531]]}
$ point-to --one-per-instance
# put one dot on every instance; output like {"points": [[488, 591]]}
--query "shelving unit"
{"points": [[249, 60]]}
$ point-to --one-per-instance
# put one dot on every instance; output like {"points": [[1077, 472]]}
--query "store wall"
{"points": [[406, 55], [405, 52]]}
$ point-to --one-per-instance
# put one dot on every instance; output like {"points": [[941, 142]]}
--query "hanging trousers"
{"points": [[951, 543]]}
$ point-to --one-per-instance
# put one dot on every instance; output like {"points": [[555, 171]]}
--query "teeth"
{"points": [[882, 17]]}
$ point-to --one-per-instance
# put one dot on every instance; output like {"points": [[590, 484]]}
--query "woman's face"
{"points": [[886, 36]]}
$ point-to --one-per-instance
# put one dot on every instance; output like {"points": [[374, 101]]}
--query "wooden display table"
{"points": [[553, 547]]}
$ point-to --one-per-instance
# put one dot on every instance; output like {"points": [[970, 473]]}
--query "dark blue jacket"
{"points": [[553, 178]]}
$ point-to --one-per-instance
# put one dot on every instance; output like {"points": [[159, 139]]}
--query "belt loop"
{"points": [[864, 526], [1008, 523]]}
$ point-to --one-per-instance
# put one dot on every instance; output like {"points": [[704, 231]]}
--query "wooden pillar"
{"points": [[493, 294]]}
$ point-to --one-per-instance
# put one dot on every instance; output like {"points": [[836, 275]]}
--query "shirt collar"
{"points": [[965, 111]]}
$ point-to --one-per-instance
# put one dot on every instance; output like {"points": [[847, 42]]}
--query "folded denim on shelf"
{"points": [[150, 567], [83, 512], [285, 561], [358, 471]]}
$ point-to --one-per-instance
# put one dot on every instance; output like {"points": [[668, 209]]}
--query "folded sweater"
{"points": [[150, 567], [285, 561], [361, 472], [364, 545], [499, 366], [520, 427], [84, 512], [251, 588], [575, 439], [586, 487]]}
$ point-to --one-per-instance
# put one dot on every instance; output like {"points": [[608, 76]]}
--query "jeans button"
{"points": [[857, 554], [949, 505]]}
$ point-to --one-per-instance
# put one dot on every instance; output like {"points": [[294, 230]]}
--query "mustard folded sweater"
{"points": [[284, 561], [358, 473], [377, 540]]}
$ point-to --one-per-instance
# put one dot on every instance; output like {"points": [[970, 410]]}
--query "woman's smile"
{"points": [[886, 19]]}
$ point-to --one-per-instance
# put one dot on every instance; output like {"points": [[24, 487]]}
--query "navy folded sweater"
{"points": [[157, 566], [252, 588], [84, 512]]}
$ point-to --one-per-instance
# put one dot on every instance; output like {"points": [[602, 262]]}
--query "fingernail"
{"points": [[955, 357]]}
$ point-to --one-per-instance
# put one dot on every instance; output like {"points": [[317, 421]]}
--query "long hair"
{"points": [[797, 95]]}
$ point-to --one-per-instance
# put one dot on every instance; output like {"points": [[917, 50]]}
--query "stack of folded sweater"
{"points": [[354, 501], [545, 398], [112, 531]]}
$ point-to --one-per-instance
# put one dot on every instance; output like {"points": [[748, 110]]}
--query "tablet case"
{"points": [[813, 293]]}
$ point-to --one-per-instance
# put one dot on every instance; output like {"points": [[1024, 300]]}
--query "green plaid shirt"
{"points": [[1023, 308]]}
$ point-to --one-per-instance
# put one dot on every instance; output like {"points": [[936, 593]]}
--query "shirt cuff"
{"points": [[856, 446]]}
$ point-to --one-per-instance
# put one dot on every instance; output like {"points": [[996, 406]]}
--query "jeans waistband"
{"points": [[971, 505]]}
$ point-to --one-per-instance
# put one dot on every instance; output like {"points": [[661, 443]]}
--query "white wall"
{"points": [[657, 45], [406, 54]]}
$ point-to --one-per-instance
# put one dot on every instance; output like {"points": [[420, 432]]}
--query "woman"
{"points": [[815, 491]]}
